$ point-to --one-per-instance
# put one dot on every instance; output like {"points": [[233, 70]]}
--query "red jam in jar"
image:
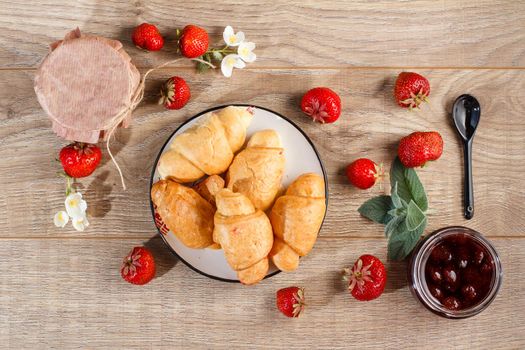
{"points": [[455, 272]]}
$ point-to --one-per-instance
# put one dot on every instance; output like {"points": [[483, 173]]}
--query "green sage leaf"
{"points": [[376, 209], [403, 241], [392, 225], [409, 185], [398, 202], [397, 212], [415, 216]]}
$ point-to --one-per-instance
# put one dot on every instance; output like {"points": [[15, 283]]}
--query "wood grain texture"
{"points": [[68, 294], [298, 33], [371, 126], [61, 288]]}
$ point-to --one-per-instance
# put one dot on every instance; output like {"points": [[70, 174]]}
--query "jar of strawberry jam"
{"points": [[455, 272]]}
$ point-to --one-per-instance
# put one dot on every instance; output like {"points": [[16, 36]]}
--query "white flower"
{"points": [[232, 39], [80, 223], [75, 205], [245, 51], [61, 219], [229, 62]]}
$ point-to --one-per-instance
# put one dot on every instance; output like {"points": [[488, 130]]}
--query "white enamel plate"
{"points": [[301, 157]]}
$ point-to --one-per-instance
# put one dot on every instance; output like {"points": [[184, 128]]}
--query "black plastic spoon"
{"points": [[466, 113]]}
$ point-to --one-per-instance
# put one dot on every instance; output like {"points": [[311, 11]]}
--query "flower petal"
{"points": [[227, 64], [228, 32], [61, 219], [239, 63], [80, 223], [245, 51], [75, 205], [240, 37], [249, 45]]}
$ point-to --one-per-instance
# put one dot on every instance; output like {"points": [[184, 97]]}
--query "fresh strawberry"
{"points": [[193, 41], [419, 147], [363, 173], [411, 89], [138, 266], [175, 93], [147, 36], [290, 301], [80, 159], [322, 104], [367, 278]]}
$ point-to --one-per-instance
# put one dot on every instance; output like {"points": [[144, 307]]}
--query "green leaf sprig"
{"points": [[403, 212]]}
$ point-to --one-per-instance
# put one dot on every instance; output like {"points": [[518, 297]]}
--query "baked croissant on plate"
{"points": [[207, 147], [296, 218], [257, 170], [208, 189], [185, 212], [245, 235]]}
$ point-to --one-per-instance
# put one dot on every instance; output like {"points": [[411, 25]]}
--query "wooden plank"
{"points": [[68, 293], [293, 33], [371, 125]]}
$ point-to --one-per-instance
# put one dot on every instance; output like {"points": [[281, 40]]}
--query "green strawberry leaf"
{"points": [[409, 186], [376, 209], [415, 216], [403, 241], [392, 226]]}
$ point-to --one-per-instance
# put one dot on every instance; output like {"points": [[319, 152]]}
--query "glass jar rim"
{"points": [[417, 274]]}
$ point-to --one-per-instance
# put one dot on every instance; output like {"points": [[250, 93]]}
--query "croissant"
{"points": [[257, 170], [245, 235], [296, 218], [207, 147], [185, 212], [208, 189]]}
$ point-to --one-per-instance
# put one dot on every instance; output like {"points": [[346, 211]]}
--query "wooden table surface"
{"points": [[61, 289]]}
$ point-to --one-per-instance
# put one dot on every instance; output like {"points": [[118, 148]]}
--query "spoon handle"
{"points": [[469, 191]]}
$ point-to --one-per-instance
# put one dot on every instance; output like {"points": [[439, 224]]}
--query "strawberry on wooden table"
{"points": [[193, 41], [146, 36], [138, 266], [175, 93], [321, 104], [290, 301], [363, 173], [80, 159], [411, 89], [367, 278], [419, 147]]}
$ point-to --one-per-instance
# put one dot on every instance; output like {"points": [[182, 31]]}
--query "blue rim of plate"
{"points": [[197, 116]]}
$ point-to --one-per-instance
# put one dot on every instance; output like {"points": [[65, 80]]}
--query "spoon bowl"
{"points": [[466, 113]]}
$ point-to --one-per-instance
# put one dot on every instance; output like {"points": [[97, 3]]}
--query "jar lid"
{"points": [[86, 85]]}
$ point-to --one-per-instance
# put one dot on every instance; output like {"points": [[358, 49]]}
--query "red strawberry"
{"points": [[138, 266], [367, 278], [411, 89], [80, 159], [175, 93], [363, 173], [290, 301], [322, 104], [147, 36], [193, 41], [419, 147]]}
